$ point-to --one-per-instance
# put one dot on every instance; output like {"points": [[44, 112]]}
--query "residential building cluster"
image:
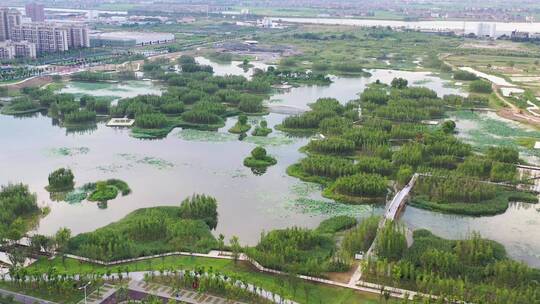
{"points": [[27, 40]]}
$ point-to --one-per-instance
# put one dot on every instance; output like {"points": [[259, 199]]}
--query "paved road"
{"points": [[24, 298]]}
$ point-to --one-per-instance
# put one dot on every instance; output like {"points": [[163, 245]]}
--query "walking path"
{"points": [[183, 295], [96, 297]]}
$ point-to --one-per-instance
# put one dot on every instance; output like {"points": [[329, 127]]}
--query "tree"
{"points": [[234, 243], [242, 119], [399, 83], [221, 242], [258, 153], [448, 126], [61, 180], [62, 237]]}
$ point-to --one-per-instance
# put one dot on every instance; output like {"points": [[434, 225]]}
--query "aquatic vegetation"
{"points": [[76, 196], [279, 140], [69, 151], [487, 130], [103, 192], [204, 136], [325, 207], [100, 191], [155, 162]]}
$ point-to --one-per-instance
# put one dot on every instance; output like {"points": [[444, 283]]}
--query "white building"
{"points": [[486, 30]]}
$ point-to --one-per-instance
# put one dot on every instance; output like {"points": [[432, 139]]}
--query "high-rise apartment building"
{"points": [[77, 36], [35, 11], [23, 49], [7, 50], [9, 18], [50, 37]]}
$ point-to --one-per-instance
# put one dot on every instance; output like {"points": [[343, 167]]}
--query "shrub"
{"points": [[80, 116], [250, 106], [172, 107], [503, 154], [464, 75], [361, 185], [480, 86], [262, 129], [201, 117], [332, 145], [151, 121]]}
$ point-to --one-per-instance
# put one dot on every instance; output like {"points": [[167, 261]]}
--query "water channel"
{"points": [[163, 172]]}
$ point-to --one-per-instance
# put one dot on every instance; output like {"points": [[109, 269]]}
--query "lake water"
{"points": [[468, 26], [163, 172]]}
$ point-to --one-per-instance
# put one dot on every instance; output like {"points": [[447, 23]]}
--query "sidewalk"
{"points": [[24, 298]]}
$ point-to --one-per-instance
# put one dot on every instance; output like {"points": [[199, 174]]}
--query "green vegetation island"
{"points": [[259, 159], [359, 160]]}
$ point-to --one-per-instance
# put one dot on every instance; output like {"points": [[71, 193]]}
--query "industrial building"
{"points": [[129, 39]]}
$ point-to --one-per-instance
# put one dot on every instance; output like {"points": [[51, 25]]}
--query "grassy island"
{"points": [[262, 129], [459, 194], [259, 159], [153, 230], [22, 105], [358, 188]]}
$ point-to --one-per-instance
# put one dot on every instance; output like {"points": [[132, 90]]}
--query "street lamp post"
{"points": [[84, 287]]}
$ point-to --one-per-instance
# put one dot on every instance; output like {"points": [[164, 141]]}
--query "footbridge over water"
{"points": [[394, 208]]}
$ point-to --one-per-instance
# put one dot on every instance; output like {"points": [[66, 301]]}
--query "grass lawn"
{"points": [[322, 293]]}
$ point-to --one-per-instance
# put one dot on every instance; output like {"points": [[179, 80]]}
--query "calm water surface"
{"points": [[163, 172]]}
